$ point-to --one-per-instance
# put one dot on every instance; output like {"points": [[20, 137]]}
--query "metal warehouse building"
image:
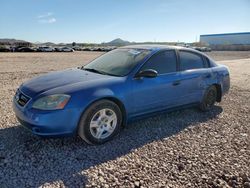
{"points": [[226, 39]]}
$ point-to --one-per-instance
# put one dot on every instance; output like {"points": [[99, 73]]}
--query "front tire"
{"points": [[209, 99], [100, 122]]}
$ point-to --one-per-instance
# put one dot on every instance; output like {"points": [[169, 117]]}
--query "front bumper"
{"points": [[48, 123]]}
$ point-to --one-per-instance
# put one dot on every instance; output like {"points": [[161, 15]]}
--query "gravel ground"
{"points": [[186, 148]]}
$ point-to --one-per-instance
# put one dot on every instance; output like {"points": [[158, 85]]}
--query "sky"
{"points": [[96, 21]]}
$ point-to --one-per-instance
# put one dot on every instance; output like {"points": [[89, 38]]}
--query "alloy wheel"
{"points": [[103, 123]]}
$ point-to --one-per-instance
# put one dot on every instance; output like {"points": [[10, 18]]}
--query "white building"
{"points": [[226, 39]]}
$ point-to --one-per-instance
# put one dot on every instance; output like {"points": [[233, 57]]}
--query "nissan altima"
{"points": [[96, 100]]}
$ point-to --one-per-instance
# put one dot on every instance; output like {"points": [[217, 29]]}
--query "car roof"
{"points": [[154, 47], [158, 47]]}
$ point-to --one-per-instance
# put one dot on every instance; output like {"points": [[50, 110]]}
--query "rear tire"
{"points": [[100, 122], [209, 99]]}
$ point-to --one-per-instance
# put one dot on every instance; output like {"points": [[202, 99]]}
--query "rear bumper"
{"points": [[55, 123]]}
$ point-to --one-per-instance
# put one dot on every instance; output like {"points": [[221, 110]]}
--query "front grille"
{"points": [[21, 98]]}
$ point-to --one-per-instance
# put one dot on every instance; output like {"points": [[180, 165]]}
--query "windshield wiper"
{"points": [[93, 70], [98, 71]]}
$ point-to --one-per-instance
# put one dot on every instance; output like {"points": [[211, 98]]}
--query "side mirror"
{"points": [[148, 73]]}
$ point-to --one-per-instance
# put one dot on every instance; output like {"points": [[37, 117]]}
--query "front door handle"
{"points": [[176, 83]]}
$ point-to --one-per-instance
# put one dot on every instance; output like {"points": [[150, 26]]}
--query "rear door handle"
{"points": [[175, 83]]}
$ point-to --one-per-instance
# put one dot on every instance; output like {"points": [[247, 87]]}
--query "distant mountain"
{"points": [[12, 41], [47, 44], [117, 42]]}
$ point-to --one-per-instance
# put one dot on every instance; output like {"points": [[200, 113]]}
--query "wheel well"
{"points": [[121, 106], [219, 92], [117, 102]]}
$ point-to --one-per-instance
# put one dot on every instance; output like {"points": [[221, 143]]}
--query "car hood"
{"points": [[57, 79]]}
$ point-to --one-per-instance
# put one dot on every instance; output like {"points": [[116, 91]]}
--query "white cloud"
{"points": [[46, 18], [48, 14], [49, 20]]}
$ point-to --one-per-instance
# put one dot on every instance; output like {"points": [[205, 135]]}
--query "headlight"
{"points": [[51, 102]]}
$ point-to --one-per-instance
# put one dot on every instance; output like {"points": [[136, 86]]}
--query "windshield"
{"points": [[118, 62]]}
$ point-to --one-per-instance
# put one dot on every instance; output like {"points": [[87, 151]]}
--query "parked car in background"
{"points": [[202, 49], [206, 49], [64, 49], [67, 49], [77, 48], [58, 49], [26, 49], [86, 49], [45, 49], [4, 49], [96, 100]]}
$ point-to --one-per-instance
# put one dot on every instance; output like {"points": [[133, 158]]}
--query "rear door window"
{"points": [[190, 60]]}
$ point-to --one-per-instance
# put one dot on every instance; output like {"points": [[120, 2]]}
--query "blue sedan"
{"points": [[96, 100]]}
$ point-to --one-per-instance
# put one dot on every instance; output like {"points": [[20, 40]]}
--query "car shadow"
{"points": [[28, 160]]}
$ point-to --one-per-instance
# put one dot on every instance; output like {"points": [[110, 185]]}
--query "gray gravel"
{"points": [[186, 148]]}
